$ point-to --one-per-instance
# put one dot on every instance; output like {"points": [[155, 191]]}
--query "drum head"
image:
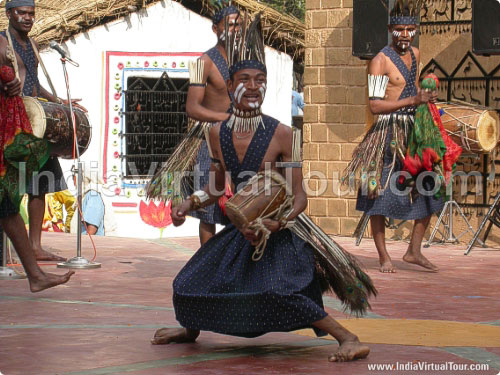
{"points": [[36, 115], [489, 130]]}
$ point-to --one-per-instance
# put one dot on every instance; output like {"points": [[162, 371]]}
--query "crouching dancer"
{"points": [[223, 288]]}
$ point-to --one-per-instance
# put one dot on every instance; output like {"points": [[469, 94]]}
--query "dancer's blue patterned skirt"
{"points": [[222, 289], [393, 202]]}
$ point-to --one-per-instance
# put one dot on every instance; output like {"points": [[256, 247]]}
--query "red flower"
{"points": [[156, 216], [7, 74], [430, 157], [434, 77], [412, 165]]}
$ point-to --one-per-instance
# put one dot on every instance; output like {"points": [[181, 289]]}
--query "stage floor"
{"points": [[102, 321]]}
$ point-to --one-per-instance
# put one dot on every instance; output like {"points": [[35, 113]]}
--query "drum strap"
{"points": [[52, 88], [11, 54]]}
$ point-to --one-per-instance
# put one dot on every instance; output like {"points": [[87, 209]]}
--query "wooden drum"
{"points": [[475, 128], [264, 195], [52, 121]]}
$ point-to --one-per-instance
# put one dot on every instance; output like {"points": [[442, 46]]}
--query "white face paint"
{"points": [[222, 36], [238, 93], [19, 19], [403, 45], [262, 91], [412, 33], [396, 34]]}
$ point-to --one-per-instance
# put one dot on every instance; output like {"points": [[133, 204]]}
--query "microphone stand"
{"points": [[78, 261], [6, 273]]}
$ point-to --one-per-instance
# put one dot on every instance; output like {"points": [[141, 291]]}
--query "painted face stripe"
{"points": [[238, 93], [263, 91]]}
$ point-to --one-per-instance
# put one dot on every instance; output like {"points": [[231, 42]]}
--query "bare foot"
{"points": [[48, 280], [179, 335], [387, 267], [43, 255], [349, 351], [420, 261]]}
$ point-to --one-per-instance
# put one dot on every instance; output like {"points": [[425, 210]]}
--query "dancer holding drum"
{"points": [[21, 15], [394, 96], [230, 286]]}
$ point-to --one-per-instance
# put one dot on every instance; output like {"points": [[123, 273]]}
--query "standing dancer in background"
{"points": [[394, 96], [208, 102]]}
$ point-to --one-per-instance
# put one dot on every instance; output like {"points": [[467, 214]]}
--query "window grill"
{"points": [[155, 122]]}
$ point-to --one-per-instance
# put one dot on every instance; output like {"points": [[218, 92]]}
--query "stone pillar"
{"points": [[335, 114]]}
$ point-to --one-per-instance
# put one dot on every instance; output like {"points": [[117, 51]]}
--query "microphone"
{"points": [[62, 52]]}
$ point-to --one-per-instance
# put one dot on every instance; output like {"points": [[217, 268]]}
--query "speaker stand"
{"points": [[493, 217], [449, 236]]}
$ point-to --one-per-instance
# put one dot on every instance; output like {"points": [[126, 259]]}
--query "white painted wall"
{"points": [[163, 27]]}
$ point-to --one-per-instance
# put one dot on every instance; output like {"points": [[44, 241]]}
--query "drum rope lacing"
{"points": [[464, 128], [261, 230]]}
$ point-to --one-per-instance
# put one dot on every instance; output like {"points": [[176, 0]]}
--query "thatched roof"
{"points": [[60, 19]]}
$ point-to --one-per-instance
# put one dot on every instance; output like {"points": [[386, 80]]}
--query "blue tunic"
{"points": [[211, 214], [222, 289], [394, 203]]}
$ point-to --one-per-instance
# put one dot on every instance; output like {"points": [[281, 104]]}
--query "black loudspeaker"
{"points": [[486, 27], [369, 30]]}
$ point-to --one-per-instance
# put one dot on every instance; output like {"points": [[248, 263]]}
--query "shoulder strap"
{"points": [[52, 88], [219, 62], [391, 54], [11, 55]]}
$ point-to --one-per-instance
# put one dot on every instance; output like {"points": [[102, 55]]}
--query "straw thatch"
{"points": [[60, 19]]}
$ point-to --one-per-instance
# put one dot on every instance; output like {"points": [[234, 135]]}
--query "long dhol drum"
{"points": [[264, 196], [475, 128], [52, 122]]}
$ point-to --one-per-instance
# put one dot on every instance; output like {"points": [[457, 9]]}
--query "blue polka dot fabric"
{"points": [[219, 62], [221, 289], [30, 62], [223, 13], [246, 64], [403, 20], [410, 76], [211, 214]]}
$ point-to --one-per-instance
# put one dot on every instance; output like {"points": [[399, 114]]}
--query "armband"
{"points": [[377, 86], [196, 69], [199, 198]]}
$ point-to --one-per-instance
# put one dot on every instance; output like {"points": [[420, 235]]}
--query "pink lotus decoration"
{"points": [[156, 216]]}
